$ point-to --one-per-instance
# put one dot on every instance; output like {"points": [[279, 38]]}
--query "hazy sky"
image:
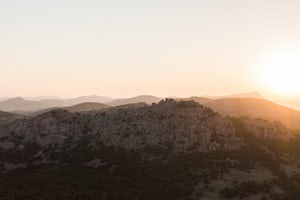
{"points": [[123, 48]]}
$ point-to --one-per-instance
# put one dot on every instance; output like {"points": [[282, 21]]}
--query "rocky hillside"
{"points": [[169, 150]]}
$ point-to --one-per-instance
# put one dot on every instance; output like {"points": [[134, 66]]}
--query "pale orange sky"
{"points": [[125, 48]]}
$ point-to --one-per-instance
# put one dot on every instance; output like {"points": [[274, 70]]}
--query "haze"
{"points": [[124, 48]]}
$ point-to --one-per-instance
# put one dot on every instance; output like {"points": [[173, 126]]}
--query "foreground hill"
{"points": [[257, 108], [170, 150]]}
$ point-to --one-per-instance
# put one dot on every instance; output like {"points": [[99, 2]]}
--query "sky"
{"points": [[120, 48]]}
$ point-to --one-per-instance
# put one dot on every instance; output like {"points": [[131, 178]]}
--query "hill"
{"points": [[49, 103], [75, 101], [257, 108], [138, 99], [20, 104], [84, 99], [170, 150], [85, 107]]}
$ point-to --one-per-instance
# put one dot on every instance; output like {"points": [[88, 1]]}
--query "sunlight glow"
{"points": [[280, 73]]}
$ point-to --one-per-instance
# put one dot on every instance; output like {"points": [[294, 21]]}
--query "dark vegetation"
{"points": [[128, 175]]}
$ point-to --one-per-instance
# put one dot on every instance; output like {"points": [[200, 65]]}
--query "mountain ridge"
{"points": [[237, 107], [167, 150]]}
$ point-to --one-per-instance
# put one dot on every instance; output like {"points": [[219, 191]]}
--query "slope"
{"points": [[85, 107], [256, 108], [138, 99], [20, 104]]}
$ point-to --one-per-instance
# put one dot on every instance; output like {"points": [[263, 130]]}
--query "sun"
{"points": [[280, 73]]}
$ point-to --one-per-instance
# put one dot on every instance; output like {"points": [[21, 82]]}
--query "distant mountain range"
{"points": [[44, 102], [248, 104], [21, 105]]}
